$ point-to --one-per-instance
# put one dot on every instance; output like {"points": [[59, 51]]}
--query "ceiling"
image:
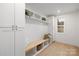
{"points": [[51, 8]]}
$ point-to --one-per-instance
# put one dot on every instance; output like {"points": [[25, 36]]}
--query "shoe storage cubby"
{"points": [[45, 43], [39, 47]]}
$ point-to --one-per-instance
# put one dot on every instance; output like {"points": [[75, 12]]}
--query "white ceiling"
{"points": [[51, 8]]}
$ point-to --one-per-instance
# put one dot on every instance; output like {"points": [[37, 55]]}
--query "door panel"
{"points": [[20, 14], [6, 14], [6, 33], [6, 42], [19, 34]]}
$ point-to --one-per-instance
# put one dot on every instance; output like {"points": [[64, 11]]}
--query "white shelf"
{"points": [[35, 19]]}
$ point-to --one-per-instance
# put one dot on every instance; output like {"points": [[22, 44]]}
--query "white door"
{"points": [[19, 33], [6, 32], [12, 23]]}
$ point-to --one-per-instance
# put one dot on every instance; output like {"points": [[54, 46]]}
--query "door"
{"points": [[6, 32], [19, 33], [12, 23]]}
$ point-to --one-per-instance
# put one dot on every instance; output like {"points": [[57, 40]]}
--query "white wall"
{"points": [[71, 29], [50, 25], [34, 30]]}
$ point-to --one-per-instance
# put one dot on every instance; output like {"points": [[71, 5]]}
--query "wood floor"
{"points": [[60, 49]]}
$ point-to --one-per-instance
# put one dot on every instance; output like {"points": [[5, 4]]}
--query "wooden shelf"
{"points": [[36, 47], [34, 44]]}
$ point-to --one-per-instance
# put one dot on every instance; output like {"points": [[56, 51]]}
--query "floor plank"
{"points": [[60, 49]]}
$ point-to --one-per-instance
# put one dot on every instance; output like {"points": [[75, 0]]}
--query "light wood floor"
{"points": [[60, 49]]}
